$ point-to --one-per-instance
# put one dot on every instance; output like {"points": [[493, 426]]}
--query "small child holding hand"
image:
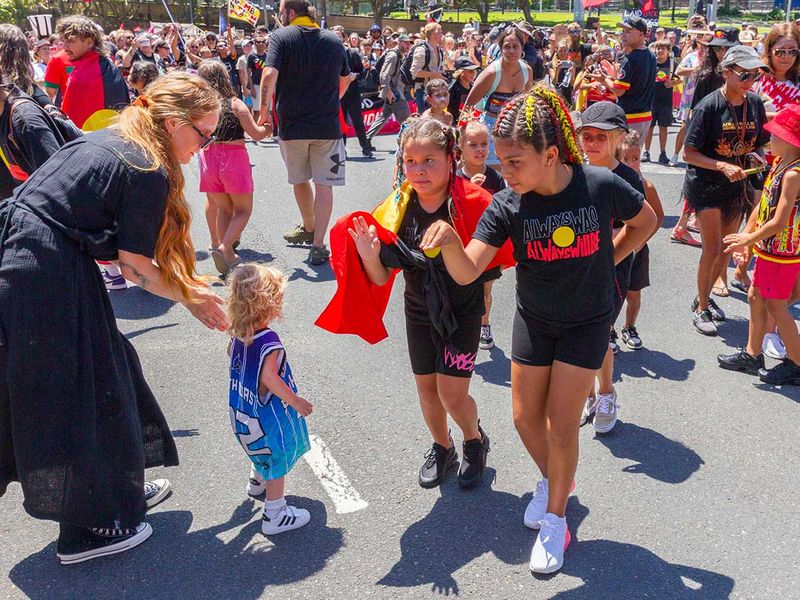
{"points": [[267, 415]]}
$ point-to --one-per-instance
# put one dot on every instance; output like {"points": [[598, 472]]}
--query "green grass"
{"points": [[607, 20]]}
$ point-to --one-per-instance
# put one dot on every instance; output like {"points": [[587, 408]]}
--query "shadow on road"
{"points": [[139, 332], [249, 255], [315, 273], [135, 303], [655, 455], [497, 369], [178, 563], [625, 571], [652, 364], [792, 392]]}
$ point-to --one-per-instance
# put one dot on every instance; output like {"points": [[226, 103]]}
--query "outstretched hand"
{"points": [[366, 238]]}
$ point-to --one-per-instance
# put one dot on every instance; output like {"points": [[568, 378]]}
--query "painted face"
{"points": [[521, 165], [475, 147], [439, 98], [187, 138], [427, 167]]}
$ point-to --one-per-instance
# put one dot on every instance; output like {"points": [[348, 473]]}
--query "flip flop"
{"points": [[721, 291], [739, 285], [219, 262]]}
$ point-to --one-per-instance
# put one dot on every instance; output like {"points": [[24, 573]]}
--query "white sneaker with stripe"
{"points": [[288, 518]]}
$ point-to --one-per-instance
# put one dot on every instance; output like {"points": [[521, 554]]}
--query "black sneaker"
{"points": [[367, 152], [645, 156], [474, 461], [631, 338], [716, 311], [704, 323], [156, 491], [663, 158], [438, 461], [785, 373], [612, 341], [741, 361], [78, 544], [487, 341]]}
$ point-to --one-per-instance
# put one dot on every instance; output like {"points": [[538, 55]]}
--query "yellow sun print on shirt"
{"points": [[563, 236]]}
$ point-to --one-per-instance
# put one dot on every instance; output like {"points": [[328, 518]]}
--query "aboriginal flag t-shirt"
{"points": [[563, 245]]}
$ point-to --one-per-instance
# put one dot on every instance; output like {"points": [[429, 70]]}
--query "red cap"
{"points": [[786, 124]]}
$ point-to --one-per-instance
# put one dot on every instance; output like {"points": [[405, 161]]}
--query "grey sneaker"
{"points": [[673, 162], [704, 322], [299, 235], [605, 416], [589, 408], [716, 312], [319, 255]]}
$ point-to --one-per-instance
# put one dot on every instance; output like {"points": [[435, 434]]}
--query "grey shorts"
{"points": [[322, 161]]}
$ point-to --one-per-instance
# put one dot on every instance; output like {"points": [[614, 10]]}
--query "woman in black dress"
{"points": [[78, 422]]}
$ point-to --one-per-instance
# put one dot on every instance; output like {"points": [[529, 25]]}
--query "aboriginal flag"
{"points": [[95, 92], [358, 305]]}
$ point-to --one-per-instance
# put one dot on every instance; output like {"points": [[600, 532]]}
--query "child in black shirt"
{"points": [[557, 214], [662, 101], [474, 151]]}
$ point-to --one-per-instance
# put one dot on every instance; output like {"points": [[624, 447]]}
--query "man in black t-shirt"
{"points": [[307, 72], [255, 65], [635, 82]]}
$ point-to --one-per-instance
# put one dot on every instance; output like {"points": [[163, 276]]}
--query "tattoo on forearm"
{"points": [[141, 280]]}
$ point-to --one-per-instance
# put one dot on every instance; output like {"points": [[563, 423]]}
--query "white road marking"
{"points": [[337, 485], [660, 169]]}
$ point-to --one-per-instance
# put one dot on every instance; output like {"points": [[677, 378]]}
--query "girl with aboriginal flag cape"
{"points": [[442, 317]]}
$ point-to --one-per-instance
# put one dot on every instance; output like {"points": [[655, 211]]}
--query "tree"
{"points": [[380, 8], [525, 7], [481, 6], [16, 11]]}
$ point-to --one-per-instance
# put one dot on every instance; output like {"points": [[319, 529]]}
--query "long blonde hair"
{"points": [[186, 98]]}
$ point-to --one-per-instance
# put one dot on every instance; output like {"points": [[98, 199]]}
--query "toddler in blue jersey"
{"points": [[267, 415]]}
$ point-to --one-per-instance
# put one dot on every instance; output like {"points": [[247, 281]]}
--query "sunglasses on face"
{"points": [[781, 52], [207, 139], [748, 75]]}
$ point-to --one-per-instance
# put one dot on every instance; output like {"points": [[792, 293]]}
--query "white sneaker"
{"points": [[537, 507], [155, 491], [606, 416], [256, 484], [673, 162], [589, 410], [773, 346], [547, 555], [289, 517]]}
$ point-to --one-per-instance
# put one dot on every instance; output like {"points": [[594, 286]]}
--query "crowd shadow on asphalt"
{"points": [[136, 304], [652, 364], [179, 563], [314, 273], [655, 455], [496, 369], [435, 547]]}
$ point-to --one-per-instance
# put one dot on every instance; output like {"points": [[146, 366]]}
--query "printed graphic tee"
{"points": [[562, 244]]}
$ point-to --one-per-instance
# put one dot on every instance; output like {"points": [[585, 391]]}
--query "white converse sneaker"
{"points": [[547, 555], [606, 416], [288, 518], [537, 507], [589, 410], [256, 484], [773, 346]]}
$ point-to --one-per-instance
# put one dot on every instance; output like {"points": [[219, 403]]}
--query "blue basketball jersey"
{"points": [[271, 432]]}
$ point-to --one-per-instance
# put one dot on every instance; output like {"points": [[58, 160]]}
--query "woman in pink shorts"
{"points": [[225, 173]]}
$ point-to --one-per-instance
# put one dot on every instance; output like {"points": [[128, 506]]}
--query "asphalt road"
{"points": [[693, 495]]}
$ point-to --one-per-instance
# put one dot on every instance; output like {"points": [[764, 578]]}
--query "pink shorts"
{"points": [[225, 169], [775, 281]]}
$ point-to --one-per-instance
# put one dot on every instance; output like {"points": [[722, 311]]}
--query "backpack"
{"points": [[379, 63], [405, 68], [62, 127]]}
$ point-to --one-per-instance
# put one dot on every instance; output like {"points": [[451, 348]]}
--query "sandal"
{"points": [[721, 290], [221, 263], [682, 236], [740, 285]]}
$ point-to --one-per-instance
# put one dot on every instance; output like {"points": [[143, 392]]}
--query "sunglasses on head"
{"points": [[207, 139], [748, 75], [781, 52]]}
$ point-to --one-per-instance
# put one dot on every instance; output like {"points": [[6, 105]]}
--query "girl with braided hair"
{"points": [[558, 215], [443, 318]]}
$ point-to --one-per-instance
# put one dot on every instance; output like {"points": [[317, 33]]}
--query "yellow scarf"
{"points": [[304, 21]]}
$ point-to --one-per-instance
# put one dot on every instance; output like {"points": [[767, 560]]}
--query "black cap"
{"points": [[375, 27], [634, 22], [725, 36], [604, 115], [464, 64], [744, 57]]}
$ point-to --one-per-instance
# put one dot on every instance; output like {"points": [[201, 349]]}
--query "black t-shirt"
{"points": [[466, 300], [562, 244], [256, 64], [493, 183], [310, 62], [34, 140], [706, 86], [712, 131], [98, 183], [230, 64], [530, 54], [662, 94], [139, 55], [632, 177], [458, 94], [637, 73]]}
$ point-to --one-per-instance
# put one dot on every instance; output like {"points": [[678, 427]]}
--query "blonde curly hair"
{"points": [[255, 300]]}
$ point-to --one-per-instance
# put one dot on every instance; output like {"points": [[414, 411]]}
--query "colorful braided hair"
{"points": [[540, 118], [429, 130]]}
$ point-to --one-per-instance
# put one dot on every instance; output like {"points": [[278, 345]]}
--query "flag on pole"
{"points": [[223, 20], [243, 10]]}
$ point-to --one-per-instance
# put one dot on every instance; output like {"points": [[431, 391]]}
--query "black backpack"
{"points": [[62, 127], [405, 68], [379, 63]]}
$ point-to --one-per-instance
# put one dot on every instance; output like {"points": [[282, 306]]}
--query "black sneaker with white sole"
{"points": [[79, 544], [473, 463], [741, 361], [156, 491], [612, 341], [438, 461], [631, 337]]}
